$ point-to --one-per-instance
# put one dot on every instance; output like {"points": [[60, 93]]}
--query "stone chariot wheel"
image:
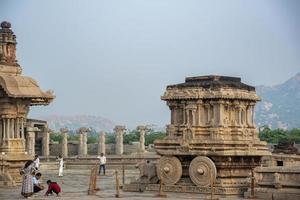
{"points": [[169, 169], [200, 171]]}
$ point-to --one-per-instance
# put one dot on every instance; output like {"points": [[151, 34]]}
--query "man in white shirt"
{"points": [[102, 162], [36, 183]]}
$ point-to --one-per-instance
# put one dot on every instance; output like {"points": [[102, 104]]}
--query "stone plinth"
{"points": [[119, 131], [277, 183], [101, 143]]}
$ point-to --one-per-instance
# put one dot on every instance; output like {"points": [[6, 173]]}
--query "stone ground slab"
{"points": [[75, 183]]}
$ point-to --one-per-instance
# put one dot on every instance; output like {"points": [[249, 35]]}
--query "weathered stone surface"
{"points": [[212, 117], [277, 183]]}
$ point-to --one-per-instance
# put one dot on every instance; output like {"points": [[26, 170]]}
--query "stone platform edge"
{"points": [[134, 187]]}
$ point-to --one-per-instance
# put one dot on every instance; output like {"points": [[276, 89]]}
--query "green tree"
{"points": [[279, 135], [152, 136], [57, 137]]}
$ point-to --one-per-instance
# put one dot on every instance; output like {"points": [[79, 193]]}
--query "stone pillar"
{"points": [[8, 128], [64, 147], [80, 143], [119, 131], [17, 128], [142, 130], [83, 141], [45, 141], [4, 129], [101, 143], [30, 140], [22, 128]]}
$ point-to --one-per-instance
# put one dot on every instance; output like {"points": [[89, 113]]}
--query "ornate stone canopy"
{"points": [[12, 82]]}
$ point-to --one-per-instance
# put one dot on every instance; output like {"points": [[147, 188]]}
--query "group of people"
{"points": [[31, 179], [31, 176]]}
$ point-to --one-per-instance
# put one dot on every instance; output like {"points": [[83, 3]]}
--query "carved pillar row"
{"points": [[64, 149], [119, 131], [142, 130], [101, 143], [45, 142]]}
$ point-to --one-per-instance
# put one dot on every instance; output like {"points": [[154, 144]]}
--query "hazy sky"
{"points": [[115, 58]]}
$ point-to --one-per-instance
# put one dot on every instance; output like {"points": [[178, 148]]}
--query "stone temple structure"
{"points": [[17, 94], [212, 136]]}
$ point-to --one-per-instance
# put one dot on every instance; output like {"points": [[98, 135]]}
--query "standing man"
{"points": [[102, 162]]}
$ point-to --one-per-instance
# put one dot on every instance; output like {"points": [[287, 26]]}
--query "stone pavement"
{"points": [[75, 186]]}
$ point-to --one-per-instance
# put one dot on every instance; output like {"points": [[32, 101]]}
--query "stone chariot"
{"points": [[212, 137]]}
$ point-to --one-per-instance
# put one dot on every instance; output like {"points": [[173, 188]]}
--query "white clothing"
{"points": [[102, 160], [61, 167], [35, 181], [37, 163]]}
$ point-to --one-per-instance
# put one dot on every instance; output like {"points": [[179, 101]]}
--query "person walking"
{"points": [[27, 173], [61, 166], [102, 162]]}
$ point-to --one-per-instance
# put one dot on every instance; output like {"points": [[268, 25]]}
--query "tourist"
{"points": [[36, 183], [36, 162], [27, 173], [61, 166], [53, 187], [102, 162]]}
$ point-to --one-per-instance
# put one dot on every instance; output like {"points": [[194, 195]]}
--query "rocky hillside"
{"points": [[75, 122], [280, 105]]}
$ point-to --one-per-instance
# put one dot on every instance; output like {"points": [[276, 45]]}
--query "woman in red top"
{"points": [[53, 187]]}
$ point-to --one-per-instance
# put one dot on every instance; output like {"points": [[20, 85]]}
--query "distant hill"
{"points": [[75, 122], [280, 105]]}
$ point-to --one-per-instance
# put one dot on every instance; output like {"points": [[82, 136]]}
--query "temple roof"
{"points": [[24, 87], [213, 82], [11, 80]]}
